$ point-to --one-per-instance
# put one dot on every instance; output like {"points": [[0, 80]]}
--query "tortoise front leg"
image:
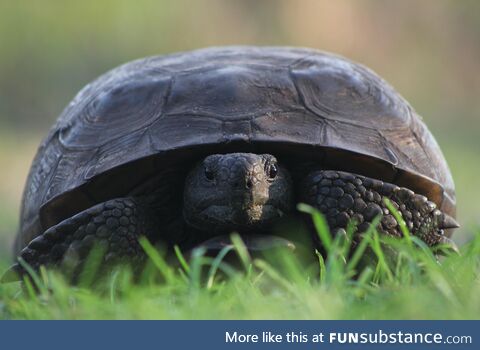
{"points": [[114, 225], [343, 196]]}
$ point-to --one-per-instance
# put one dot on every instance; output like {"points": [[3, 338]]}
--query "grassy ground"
{"points": [[402, 279]]}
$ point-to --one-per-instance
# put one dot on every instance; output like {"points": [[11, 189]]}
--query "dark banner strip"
{"points": [[212, 335]]}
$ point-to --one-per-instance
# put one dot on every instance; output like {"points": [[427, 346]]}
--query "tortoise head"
{"points": [[235, 191]]}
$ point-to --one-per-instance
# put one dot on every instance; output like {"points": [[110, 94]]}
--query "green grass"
{"points": [[382, 279]]}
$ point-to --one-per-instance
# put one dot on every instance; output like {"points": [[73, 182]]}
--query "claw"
{"points": [[12, 274], [448, 222], [451, 244]]}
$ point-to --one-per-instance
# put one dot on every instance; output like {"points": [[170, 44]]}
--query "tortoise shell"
{"points": [[140, 117]]}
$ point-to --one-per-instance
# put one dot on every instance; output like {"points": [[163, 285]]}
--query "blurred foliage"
{"points": [[428, 50]]}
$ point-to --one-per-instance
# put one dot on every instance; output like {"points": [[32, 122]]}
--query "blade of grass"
{"points": [[401, 222], [215, 264], [196, 267], [365, 276], [159, 262], [112, 285], [321, 265], [382, 262], [241, 250], [362, 246], [181, 259], [320, 224], [274, 275], [92, 265], [33, 275], [29, 287]]}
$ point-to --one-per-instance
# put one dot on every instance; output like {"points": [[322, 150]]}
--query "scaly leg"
{"points": [[342, 197], [114, 225]]}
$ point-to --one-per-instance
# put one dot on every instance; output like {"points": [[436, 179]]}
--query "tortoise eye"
{"points": [[272, 171], [209, 174]]}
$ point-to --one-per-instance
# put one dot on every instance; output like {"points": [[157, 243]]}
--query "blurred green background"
{"points": [[428, 50]]}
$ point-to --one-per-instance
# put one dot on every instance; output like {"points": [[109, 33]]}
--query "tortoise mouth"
{"points": [[218, 219]]}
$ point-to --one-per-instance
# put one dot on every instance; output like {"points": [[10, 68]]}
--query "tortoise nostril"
{"points": [[241, 185]]}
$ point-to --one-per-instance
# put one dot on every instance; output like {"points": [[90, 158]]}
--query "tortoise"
{"points": [[187, 147]]}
